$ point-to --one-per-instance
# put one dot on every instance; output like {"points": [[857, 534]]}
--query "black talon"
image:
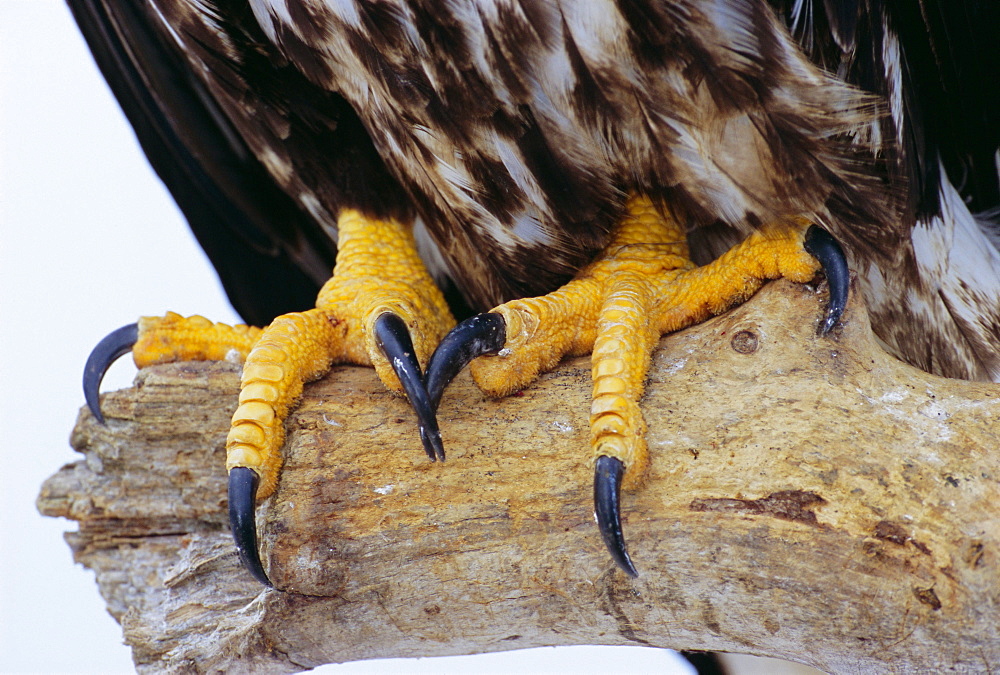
{"points": [[393, 339], [608, 472], [821, 245], [242, 519], [478, 335], [107, 351]]}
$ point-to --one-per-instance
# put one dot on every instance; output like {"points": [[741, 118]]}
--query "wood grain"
{"points": [[809, 498]]}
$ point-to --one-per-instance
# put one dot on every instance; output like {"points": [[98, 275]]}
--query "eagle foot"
{"points": [[642, 286], [380, 308]]}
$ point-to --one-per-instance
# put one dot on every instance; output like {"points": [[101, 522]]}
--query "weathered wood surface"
{"points": [[810, 498]]}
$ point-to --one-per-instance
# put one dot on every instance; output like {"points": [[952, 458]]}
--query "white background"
{"points": [[89, 241]]}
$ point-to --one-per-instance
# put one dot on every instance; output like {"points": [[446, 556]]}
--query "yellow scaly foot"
{"points": [[379, 308], [643, 285]]}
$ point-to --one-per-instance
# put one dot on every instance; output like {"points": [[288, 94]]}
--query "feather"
{"points": [[936, 300], [515, 128]]}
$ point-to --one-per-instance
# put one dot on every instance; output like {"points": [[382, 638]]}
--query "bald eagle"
{"points": [[512, 148]]}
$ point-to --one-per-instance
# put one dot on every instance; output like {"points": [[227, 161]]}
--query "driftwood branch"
{"points": [[810, 498]]}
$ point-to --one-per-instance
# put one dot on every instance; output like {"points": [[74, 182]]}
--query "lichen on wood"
{"points": [[809, 498]]}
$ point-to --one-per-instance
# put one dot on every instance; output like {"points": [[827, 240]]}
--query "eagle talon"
{"points": [[393, 338], [108, 350], [242, 520], [821, 245], [476, 336], [608, 472]]}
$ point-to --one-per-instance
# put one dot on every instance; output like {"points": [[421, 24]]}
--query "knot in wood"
{"points": [[745, 342]]}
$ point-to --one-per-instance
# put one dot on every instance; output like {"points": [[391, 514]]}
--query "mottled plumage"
{"points": [[514, 129]]}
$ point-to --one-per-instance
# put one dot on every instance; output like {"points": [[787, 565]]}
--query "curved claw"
{"points": [[478, 335], [107, 351], [821, 245], [242, 519], [393, 339], [608, 472]]}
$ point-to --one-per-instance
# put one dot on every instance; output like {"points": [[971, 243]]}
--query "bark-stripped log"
{"points": [[809, 498]]}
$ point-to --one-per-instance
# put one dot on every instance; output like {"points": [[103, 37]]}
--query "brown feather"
{"points": [[514, 129]]}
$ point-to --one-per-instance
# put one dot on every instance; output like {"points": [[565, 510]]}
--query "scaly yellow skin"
{"points": [[164, 339], [643, 285], [378, 270]]}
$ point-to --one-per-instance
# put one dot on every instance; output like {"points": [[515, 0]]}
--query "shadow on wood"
{"points": [[810, 498]]}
